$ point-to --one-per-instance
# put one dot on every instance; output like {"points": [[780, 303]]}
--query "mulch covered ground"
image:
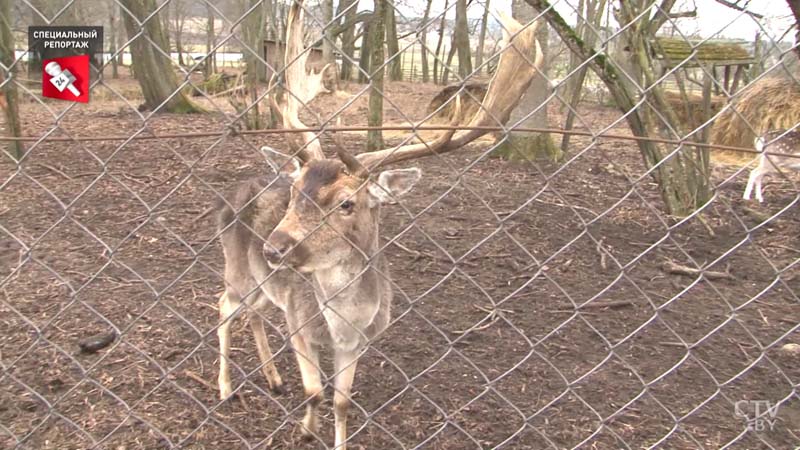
{"points": [[488, 345]]}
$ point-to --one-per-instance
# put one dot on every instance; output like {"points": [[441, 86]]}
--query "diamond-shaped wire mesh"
{"points": [[609, 290]]}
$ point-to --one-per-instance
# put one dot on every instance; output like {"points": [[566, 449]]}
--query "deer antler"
{"points": [[511, 79], [352, 163], [301, 85]]}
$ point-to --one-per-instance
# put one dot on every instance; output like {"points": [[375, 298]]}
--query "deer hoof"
{"points": [[309, 427], [226, 393], [278, 389], [306, 435]]}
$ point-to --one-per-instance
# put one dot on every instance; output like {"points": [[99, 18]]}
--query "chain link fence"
{"points": [[540, 301]]}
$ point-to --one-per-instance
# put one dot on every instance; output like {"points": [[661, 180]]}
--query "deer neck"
{"points": [[353, 273]]}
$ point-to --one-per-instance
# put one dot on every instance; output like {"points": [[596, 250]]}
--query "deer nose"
{"points": [[277, 246], [271, 254]]}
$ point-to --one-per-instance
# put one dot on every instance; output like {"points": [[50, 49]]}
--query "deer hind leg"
{"points": [[308, 361], [759, 196], [345, 366], [228, 305], [265, 353]]}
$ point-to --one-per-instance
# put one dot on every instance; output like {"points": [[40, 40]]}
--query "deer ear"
{"points": [[393, 184], [280, 161]]}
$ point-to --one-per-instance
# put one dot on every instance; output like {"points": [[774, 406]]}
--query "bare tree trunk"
{"points": [[119, 36], [348, 37], [43, 7], [461, 40], [424, 39], [524, 145], [166, 25], [588, 22], [38, 9], [757, 68], [113, 21], [365, 52], [794, 5], [9, 90], [180, 19], [70, 17], [375, 114], [211, 41], [179, 45], [446, 68], [152, 70], [482, 37], [253, 33], [329, 38], [282, 10], [436, 59], [392, 45], [271, 16], [570, 84], [683, 179]]}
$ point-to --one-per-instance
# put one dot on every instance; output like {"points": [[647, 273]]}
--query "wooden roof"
{"points": [[717, 53]]}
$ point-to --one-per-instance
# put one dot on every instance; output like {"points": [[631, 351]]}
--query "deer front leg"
{"points": [[345, 366], [308, 361], [265, 354], [227, 308], [751, 181]]}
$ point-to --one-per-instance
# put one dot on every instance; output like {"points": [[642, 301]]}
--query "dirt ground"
{"points": [[651, 358]]}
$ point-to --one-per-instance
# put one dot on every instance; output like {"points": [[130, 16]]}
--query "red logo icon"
{"points": [[66, 78]]}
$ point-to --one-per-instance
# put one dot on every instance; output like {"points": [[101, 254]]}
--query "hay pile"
{"points": [[691, 115], [768, 104]]}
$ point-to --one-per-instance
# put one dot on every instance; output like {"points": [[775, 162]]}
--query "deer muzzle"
{"points": [[281, 247]]}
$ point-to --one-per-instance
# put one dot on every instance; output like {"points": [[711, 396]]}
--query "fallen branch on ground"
{"points": [[595, 305], [602, 252], [200, 379], [54, 170], [677, 269]]}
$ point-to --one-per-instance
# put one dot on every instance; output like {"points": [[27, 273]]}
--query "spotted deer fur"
{"points": [[787, 145]]}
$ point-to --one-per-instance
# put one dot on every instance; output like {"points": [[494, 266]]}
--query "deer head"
{"points": [[333, 212]]}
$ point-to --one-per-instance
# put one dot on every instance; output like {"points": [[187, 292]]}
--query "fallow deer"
{"points": [[778, 141], [307, 240]]}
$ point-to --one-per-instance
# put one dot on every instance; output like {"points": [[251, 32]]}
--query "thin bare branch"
{"points": [[735, 5]]}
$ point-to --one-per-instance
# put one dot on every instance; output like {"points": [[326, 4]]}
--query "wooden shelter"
{"points": [[729, 56]]}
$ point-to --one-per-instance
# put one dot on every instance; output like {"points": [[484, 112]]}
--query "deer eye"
{"points": [[347, 206]]}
